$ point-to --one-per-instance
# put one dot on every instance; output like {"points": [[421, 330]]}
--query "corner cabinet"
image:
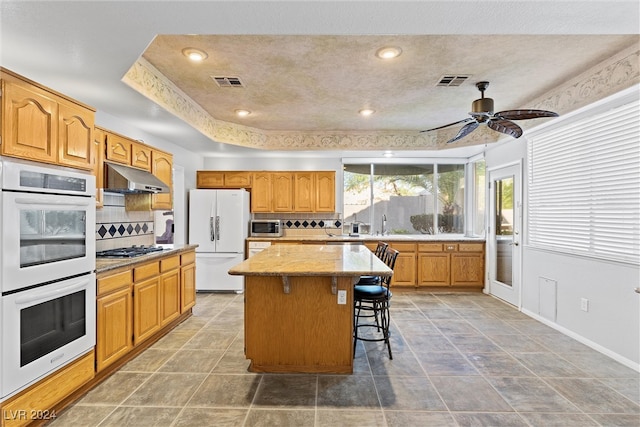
{"points": [[41, 125]]}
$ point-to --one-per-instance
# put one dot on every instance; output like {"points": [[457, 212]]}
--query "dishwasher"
{"points": [[255, 247]]}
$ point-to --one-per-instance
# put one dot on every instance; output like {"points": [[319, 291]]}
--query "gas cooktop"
{"points": [[129, 252]]}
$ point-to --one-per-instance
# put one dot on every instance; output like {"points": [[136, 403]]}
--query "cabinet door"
{"points": [[261, 192], [162, 168], [237, 179], [282, 183], [303, 192], [146, 309], [325, 192], [29, 123], [141, 156], [169, 296], [118, 149], [188, 287], [114, 318], [209, 179], [404, 272], [434, 269], [76, 146], [467, 269]]}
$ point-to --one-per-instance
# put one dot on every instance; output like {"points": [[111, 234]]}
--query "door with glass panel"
{"points": [[503, 243]]}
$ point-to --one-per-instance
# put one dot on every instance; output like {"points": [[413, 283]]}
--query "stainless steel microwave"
{"points": [[266, 228]]}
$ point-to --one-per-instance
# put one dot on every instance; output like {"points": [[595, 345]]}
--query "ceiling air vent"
{"points": [[227, 81], [453, 79]]}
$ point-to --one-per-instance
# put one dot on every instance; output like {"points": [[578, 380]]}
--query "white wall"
{"points": [[612, 324]]}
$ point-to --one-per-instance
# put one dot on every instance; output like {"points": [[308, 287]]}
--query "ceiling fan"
{"points": [[482, 113]]}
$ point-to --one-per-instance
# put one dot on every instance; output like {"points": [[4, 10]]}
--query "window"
{"points": [[479, 197], [584, 185], [409, 198]]}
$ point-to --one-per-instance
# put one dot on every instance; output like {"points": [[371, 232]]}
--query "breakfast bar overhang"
{"points": [[298, 312]]}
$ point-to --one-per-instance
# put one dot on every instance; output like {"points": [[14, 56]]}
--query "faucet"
{"points": [[384, 224]]}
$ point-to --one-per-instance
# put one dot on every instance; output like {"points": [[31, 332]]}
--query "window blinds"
{"points": [[584, 186]]}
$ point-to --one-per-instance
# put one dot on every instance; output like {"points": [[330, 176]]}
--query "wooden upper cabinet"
{"points": [[162, 168], [282, 185], [223, 179], [303, 192], [261, 192], [141, 156], [325, 191], [118, 148], [76, 146], [41, 125]]}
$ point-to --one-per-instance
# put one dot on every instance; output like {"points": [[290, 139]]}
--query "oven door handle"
{"points": [[82, 203], [49, 295]]}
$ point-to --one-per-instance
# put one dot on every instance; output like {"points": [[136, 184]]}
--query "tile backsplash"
{"points": [[295, 224], [117, 227]]}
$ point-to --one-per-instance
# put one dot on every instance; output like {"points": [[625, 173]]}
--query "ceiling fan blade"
{"points": [[464, 131], [524, 114], [450, 124], [506, 127]]}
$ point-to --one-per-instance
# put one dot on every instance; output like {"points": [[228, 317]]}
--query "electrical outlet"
{"points": [[584, 304], [342, 297]]}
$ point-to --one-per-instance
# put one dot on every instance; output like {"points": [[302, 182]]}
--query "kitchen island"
{"points": [[298, 312]]}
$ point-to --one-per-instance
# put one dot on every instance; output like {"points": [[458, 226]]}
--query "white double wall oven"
{"points": [[47, 264]]}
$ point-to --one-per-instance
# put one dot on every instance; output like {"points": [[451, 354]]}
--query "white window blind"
{"points": [[584, 186]]}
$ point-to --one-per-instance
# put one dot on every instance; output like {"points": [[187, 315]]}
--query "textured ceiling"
{"points": [[308, 66], [320, 83]]}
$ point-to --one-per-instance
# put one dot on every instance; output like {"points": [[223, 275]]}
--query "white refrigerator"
{"points": [[218, 224]]}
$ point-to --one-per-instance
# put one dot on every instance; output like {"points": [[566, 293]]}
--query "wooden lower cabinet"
{"points": [[404, 272], [187, 281], [169, 290], [114, 327], [135, 304], [451, 265]]}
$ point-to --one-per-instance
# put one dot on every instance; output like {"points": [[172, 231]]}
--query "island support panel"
{"points": [[304, 331]]}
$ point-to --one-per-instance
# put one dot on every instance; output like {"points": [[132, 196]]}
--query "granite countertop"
{"points": [[107, 264], [312, 260], [373, 238]]}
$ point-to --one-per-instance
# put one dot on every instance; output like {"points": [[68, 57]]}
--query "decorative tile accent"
{"points": [[311, 224], [117, 230]]}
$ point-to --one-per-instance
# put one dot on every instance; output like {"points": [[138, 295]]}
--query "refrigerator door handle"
{"points": [[212, 234], [217, 228]]}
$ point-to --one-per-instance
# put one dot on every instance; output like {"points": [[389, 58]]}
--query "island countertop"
{"points": [[313, 260]]}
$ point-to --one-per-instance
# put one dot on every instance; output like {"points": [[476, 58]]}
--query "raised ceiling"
{"points": [[308, 67]]}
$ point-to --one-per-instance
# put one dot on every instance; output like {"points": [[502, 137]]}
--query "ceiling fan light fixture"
{"points": [[388, 52], [195, 55], [242, 113]]}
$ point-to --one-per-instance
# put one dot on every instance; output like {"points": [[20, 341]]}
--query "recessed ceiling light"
{"points": [[366, 112], [388, 52], [194, 54], [242, 113]]}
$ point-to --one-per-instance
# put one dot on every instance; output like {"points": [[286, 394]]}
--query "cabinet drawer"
{"points": [[111, 283], [187, 258], [146, 271], [429, 247], [470, 247], [170, 263], [450, 247], [403, 247]]}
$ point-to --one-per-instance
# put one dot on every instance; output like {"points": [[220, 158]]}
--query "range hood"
{"points": [[127, 180]]}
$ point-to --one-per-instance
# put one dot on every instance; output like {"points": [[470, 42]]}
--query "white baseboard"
{"points": [[615, 356]]}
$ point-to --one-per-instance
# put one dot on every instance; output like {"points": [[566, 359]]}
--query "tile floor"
{"points": [[459, 360]]}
